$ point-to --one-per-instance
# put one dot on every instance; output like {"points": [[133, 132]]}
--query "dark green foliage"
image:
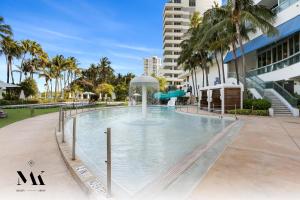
{"points": [[17, 102], [249, 112], [29, 87], [258, 104]]}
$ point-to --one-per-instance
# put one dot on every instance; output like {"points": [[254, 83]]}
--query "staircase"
{"points": [[268, 90], [279, 108]]}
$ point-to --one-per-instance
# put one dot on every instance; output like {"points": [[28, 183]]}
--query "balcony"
{"points": [[277, 65], [284, 5]]}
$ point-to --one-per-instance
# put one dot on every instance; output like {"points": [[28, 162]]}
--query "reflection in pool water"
{"points": [[142, 150]]}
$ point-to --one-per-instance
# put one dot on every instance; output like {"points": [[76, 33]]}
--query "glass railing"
{"points": [[277, 65], [284, 5], [283, 92]]}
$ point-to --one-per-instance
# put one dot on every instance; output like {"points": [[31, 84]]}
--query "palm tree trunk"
{"points": [[193, 82], [55, 92], [243, 55], [216, 58], [196, 81], [203, 76], [206, 73], [7, 70], [51, 88], [222, 62], [11, 71], [235, 63]]}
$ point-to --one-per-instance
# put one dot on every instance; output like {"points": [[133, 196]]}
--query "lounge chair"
{"points": [[2, 114]]}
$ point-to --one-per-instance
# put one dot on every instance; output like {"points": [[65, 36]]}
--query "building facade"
{"points": [[176, 22], [272, 63], [152, 66]]}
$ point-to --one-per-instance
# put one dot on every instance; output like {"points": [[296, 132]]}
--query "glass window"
{"points": [[291, 46], [279, 51], [274, 54], [296, 40], [269, 58], [264, 59], [192, 3], [259, 61], [285, 50]]}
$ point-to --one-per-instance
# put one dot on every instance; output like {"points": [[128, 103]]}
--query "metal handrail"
{"points": [[284, 5], [252, 72]]}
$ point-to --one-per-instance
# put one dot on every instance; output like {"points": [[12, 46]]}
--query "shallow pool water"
{"points": [[142, 150]]}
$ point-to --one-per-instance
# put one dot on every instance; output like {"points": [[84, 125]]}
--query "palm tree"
{"points": [[238, 18], [106, 72], [59, 64], [5, 30], [11, 50]]}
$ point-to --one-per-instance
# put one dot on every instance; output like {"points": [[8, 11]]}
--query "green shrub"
{"points": [[29, 87], [261, 104], [258, 104], [260, 112], [17, 102], [249, 112], [248, 103]]}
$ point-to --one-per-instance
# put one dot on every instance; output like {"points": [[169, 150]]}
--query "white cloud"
{"points": [[137, 48]]}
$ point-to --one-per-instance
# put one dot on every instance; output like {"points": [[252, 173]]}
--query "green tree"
{"points": [[29, 87], [104, 88], [5, 29], [11, 50]]}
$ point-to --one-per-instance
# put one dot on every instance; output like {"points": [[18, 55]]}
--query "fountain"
{"points": [[143, 84]]}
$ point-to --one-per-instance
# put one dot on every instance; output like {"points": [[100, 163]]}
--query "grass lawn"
{"points": [[15, 115]]}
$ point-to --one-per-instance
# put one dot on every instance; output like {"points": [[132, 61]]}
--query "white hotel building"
{"points": [[176, 22], [152, 66], [272, 63]]}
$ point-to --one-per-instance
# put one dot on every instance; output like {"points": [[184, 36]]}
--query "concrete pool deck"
{"points": [[34, 140], [263, 162]]}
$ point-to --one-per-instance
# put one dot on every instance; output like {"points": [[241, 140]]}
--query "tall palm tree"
{"points": [[5, 30], [59, 64], [11, 50], [105, 70]]}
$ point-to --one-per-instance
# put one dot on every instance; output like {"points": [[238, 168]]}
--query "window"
{"points": [[177, 38], [177, 16], [177, 31], [192, 3], [274, 54], [259, 63], [177, 9], [279, 52], [177, 23], [177, 1], [291, 46], [269, 57], [285, 50], [296, 39]]}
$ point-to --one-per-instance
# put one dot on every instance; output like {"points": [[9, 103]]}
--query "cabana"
{"points": [[221, 97], [5, 86]]}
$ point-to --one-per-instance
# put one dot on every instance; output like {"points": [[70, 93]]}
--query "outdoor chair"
{"points": [[2, 114]]}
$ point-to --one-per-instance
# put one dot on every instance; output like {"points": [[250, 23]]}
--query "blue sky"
{"points": [[123, 30]]}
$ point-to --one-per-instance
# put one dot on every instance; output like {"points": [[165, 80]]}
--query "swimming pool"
{"points": [[142, 150]]}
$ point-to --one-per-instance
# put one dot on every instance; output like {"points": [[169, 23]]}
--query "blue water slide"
{"points": [[169, 95]]}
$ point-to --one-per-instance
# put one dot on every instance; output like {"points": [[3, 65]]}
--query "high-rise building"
{"points": [[177, 14], [152, 66]]}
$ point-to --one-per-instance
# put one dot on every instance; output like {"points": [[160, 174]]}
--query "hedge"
{"points": [[258, 104], [249, 112], [17, 102]]}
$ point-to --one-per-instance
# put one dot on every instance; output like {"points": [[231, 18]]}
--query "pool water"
{"points": [[142, 149]]}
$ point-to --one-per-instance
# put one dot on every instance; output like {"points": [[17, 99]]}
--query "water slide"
{"points": [[169, 95]]}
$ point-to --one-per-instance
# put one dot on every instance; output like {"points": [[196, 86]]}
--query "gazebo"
{"points": [[4, 86]]}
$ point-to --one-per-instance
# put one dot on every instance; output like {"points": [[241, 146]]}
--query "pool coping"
{"points": [[95, 188]]}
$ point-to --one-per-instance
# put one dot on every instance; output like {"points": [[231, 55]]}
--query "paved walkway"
{"points": [[262, 163], [34, 140]]}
